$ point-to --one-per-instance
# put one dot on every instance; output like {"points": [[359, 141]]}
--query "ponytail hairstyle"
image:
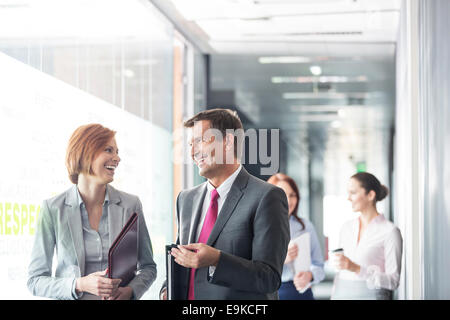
{"points": [[369, 182], [275, 179]]}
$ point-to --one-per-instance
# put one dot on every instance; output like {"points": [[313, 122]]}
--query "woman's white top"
{"points": [[378, 253]]}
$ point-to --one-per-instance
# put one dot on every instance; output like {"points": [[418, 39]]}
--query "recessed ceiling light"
{"points": [[336, 124], [128, 73], [342, 113], [316, 70]]}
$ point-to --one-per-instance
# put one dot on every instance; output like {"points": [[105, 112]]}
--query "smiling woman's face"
{"points": [[359, 197], [106, 162]]}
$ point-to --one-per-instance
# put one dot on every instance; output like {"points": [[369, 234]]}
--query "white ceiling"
{"points": [[347, 38], [309, 27]]}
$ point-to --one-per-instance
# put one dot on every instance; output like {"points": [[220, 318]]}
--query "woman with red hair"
{"points": [[81, 224], [296, 286]]}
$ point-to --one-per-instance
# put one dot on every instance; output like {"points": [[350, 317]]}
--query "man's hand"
{"points": [[196, 255]]}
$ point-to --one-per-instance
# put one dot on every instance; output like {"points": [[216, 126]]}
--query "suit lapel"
{"points": [[116, 214], [197, 206], [75, 226], [233, 198], [231, 201]]}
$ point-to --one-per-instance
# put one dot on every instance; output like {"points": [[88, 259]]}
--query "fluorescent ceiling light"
{"points": [[195, 10], [49, 19], [321, 79], [317, 108], [318, 118], [313, 95], [328, 95], [266, 60]]}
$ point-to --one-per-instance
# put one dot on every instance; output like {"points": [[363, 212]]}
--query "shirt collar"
{"points": [[379, 218], [225, 187], [80, 199]]}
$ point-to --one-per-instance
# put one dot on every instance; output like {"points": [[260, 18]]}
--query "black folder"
{"points": [[123, 254], [177, 277]]}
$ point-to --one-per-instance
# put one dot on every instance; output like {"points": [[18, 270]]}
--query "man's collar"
{"points": [[226, 185]]}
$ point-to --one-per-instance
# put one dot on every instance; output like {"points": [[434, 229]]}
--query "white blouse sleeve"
{"points": [[390, 278]]}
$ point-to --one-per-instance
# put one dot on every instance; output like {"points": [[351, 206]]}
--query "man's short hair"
{"points": [[220, 119]]}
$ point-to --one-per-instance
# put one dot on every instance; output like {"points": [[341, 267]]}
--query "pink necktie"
{"points": [[208, 224]]}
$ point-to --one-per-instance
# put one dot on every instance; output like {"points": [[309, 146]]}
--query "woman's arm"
{"points": [[390, 278], [40, 281]]}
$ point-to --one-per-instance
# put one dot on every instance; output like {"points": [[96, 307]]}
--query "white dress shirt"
{"points": [[378, 253], [96, 244], [223, 191]]}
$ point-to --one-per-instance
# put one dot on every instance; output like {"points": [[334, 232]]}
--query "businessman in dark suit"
{"points": [[233, 230]]}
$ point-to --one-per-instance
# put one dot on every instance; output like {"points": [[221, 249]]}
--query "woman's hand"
{"points": [[97, 284], [302, 279], [122, 293], [341, 262], [291, 253]]}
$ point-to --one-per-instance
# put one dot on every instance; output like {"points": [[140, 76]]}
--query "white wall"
{"points": [[422, 172], [434, 103]]}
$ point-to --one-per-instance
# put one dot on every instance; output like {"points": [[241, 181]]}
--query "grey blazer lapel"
{"points": [[116, 214], [75, 226], [231, 201], [196, 209]]}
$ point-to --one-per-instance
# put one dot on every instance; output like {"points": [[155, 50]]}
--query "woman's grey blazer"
{"points": [[60, 227]]}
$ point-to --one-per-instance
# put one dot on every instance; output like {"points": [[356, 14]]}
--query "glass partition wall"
{"points": [[68, 63]]}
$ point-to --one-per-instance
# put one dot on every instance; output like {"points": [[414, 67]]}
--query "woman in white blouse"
{"points": [[370, 264]]}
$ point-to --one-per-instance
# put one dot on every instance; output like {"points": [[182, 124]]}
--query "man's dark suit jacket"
{"points": [[252, 233]]}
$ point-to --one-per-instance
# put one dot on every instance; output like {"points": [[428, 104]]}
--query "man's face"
{"points": [[207, 148]]}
